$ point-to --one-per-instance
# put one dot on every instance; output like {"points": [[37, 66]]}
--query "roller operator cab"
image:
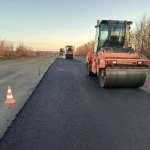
{"points": [[113, 60], [69, 52]]}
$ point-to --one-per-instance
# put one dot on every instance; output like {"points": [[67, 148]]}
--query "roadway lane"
{"points": [[11, 67], [69, 111], [22, 75]]}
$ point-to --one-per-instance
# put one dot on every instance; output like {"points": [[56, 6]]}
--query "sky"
{"points": [[51, 24]]}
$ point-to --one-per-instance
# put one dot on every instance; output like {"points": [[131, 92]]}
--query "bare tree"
{"points": [[141, 36]]}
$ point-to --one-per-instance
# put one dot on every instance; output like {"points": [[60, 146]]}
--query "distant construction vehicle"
{"points": [[113, 60], [69, 52], [61, 52]]}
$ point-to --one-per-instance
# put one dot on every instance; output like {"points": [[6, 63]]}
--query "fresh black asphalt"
{"points": [[70, 111]]}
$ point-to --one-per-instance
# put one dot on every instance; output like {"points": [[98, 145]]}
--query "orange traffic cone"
{"points": [[9, 99]]}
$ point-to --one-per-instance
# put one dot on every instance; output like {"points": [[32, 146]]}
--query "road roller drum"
{"points": [[122, 78]]}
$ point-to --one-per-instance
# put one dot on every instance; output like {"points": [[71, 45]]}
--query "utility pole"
{"points": [[74, 48]]}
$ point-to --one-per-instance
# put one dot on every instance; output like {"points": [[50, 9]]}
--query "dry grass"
{"points": [[85, 48], [7, 51]]}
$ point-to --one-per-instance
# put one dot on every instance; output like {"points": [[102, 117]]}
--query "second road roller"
{"points": [[69, 52], [113, 59]]}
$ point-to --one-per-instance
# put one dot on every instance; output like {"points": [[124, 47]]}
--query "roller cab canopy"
{"points": [[112, 33], [69, 48]]}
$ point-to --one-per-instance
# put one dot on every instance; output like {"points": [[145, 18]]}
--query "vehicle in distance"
{"points": [[69, 52], [61, 51]]}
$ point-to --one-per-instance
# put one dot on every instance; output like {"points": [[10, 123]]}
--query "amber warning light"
{"points": [[98, 21]]}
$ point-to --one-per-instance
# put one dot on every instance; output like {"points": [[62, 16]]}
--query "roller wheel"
{"points": [[88, 69], [120, 78], [102, 77]]}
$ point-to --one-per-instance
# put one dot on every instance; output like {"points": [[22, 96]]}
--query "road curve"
{"points": [[69, 111]]}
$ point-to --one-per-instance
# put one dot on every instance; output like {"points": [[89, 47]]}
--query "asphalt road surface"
{"points": [[69, 111]]}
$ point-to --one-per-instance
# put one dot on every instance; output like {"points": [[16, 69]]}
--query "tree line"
{"points": [[85, 48], [7, 51]]}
